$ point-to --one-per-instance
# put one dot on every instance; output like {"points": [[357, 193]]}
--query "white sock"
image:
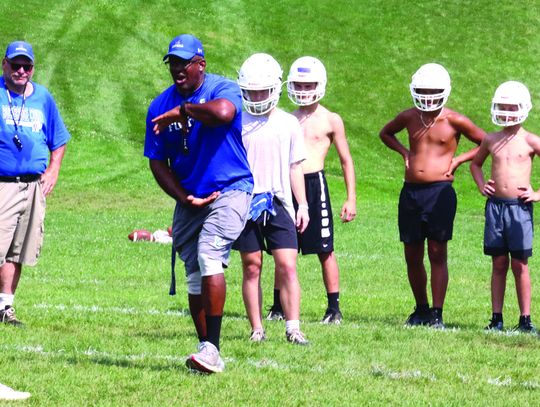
{"points": [[5, 300], [292, 324]]}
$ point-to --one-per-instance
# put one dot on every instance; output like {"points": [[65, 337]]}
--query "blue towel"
{"points": [[260, 203]]}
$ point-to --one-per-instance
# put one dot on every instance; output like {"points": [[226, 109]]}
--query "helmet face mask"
{"points": [[306, 82], [259, 79], [430, 87], [511, 104]]}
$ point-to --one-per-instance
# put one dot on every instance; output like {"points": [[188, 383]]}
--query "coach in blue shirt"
{"points": [[194, 144], [32, 143]]}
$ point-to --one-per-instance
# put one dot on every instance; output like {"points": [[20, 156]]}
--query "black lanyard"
{"points": [[16, 123]]}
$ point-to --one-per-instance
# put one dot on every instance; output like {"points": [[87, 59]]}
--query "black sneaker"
{"points": [[7, 316], [275, 315], [332, 316], [495, 326], [418, 317], [436, 320], [525, 325]]}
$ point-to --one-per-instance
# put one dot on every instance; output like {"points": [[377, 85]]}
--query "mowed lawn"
{"points": [[101, 328]]}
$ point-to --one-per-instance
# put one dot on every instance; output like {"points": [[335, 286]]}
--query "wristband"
{"points": [[303, 206]]}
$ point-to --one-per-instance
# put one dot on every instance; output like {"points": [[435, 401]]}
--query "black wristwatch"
{"points": [[183, 109]]}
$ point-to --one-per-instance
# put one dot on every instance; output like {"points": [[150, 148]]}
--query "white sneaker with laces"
{"points": [[207, 360], [257, 335], [297, 337], [7, 393]]}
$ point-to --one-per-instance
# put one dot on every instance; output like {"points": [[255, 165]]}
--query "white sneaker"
{"points": [[257, 335], [7, 393], [207, 360], [297, 337]]}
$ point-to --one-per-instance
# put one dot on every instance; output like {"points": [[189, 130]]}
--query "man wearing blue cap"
{"points": [[32, 144], [194, 144]]}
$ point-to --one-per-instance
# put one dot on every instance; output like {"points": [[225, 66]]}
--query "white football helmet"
{"points": [[260, 72], [310, 70], [429, 78], [511, 104]]}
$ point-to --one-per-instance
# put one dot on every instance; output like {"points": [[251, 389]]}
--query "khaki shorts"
{"points": [[22, 211]]}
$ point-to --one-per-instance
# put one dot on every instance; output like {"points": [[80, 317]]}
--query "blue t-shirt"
{"points": [[215, 159], [40, 130]]}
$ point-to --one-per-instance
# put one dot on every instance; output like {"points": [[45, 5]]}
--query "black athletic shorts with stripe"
{"points": [[319, 234]]}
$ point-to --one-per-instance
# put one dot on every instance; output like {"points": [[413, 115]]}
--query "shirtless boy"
{"points": [[427, 203], [306, 85], [509, 220]]}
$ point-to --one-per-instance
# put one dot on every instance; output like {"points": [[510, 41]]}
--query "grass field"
{"points": [[101, 329]]}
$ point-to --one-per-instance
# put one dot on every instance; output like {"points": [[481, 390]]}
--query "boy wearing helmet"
{"points": [[275, 149], [427, 203], [306, 85], [509, 212]]}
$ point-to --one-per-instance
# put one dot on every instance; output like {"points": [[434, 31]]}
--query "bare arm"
{"points": [[388, 136], [473, 133], [485, 188], [348, 210], [299, 190], [527, 193], [213, 113], [168, 182], [50, 176]]}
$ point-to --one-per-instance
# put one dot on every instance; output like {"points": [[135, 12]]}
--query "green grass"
{"points": [[101, 329]]}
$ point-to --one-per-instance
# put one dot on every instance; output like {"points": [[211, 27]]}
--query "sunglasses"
{"points": [[182, 64], [15, 67]]}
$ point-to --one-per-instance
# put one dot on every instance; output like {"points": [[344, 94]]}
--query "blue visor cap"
{"points": [[185, 46]]}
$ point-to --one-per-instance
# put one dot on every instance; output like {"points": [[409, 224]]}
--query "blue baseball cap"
{"points": [[185, 46], [20, 48]]}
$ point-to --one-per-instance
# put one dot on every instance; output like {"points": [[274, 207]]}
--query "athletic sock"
{"points": [[6, 300], [496, 317], [437, 311], [292, 324], [333, 300], [277, 301], [213, 329]]}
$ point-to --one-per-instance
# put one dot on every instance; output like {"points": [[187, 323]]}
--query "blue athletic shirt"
{"points": [[40, 131], [216, 159]]}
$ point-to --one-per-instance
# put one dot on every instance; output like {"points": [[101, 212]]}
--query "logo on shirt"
{"points": [[29, 117]]}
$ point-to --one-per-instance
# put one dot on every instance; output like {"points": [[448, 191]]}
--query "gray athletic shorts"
{"points": [[210, 231], [509, 228]]}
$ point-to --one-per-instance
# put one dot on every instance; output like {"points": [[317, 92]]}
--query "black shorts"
{"points": [[268, 232], [426, 211], [319, 234]]}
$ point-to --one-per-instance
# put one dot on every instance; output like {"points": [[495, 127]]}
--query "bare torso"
{"points": [[433, 142], [511, 163], [318, 136]]}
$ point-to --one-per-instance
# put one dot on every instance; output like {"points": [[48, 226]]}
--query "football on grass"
{"points": [[141, 234]]}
